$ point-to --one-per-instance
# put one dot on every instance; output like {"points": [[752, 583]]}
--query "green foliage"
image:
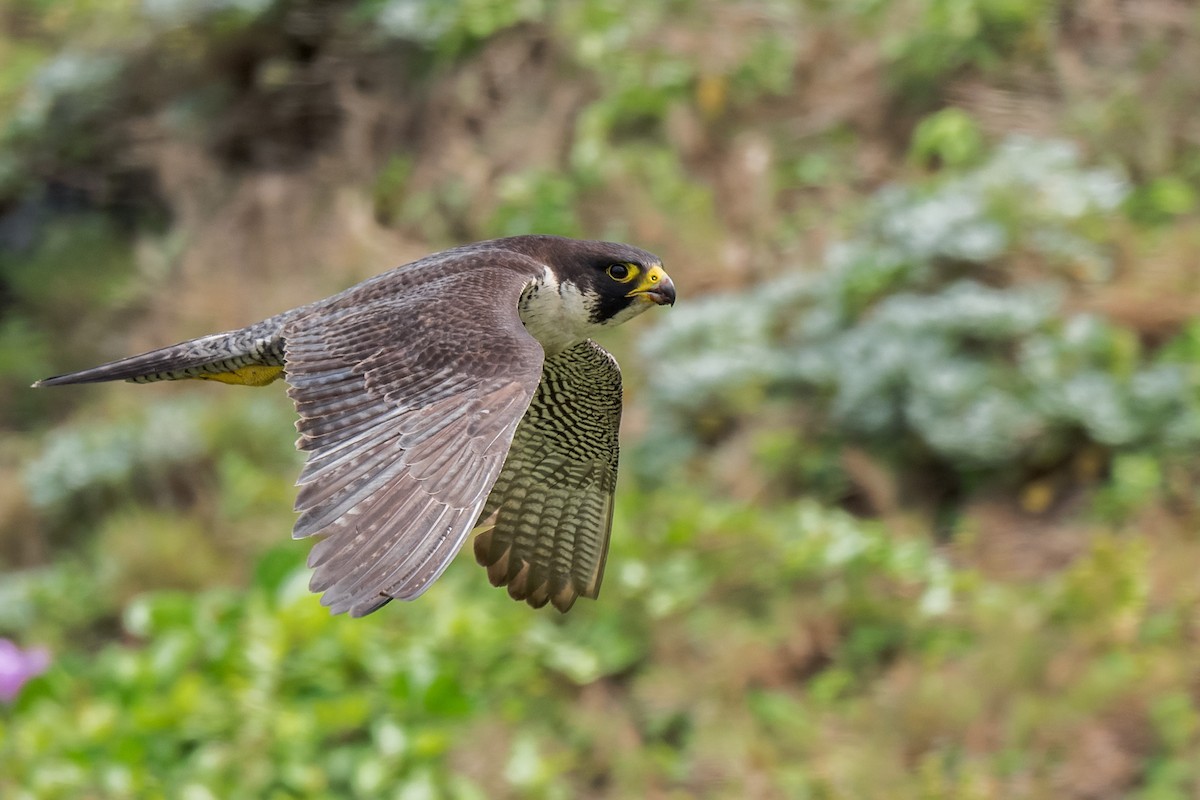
{"points": [[913, 338], [450, 27], [1136, 479], [259, 692], [92, 459], [255, 692], [23, 351], [144, 451], [945, 37], [75, 265], [746, 645], [949, 137], [1162, 200], [541, 201], [76, 261], [389, 189], [68, 95]]}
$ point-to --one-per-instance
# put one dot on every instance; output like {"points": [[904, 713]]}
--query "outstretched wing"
{"points": [[552, 504], [408, 396]]}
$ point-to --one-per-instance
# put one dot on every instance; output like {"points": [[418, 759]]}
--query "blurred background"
{"points": [[909, 502]]}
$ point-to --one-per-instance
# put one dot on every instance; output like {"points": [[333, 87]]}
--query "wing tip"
{"points": [[561, 597], [355, 606], [504, 572], [55, 380]]}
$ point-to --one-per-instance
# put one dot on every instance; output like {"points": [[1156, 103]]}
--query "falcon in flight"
{"points": [[459, 392]]}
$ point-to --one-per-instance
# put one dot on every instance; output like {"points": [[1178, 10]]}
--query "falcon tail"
{"points": [[246, 357]]}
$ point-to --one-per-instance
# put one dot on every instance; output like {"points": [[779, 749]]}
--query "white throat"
{"points": [[557, 314]]}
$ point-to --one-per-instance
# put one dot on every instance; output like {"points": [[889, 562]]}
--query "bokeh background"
{"points": [[909, 496]]}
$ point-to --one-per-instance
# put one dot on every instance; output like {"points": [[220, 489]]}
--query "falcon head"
{"points": [[619, 282], [587, 286]]}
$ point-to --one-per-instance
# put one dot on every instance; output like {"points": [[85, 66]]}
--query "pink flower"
{"points": [[17, 666]]}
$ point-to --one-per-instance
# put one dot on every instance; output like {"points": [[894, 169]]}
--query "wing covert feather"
{"points": [[408, 401]]}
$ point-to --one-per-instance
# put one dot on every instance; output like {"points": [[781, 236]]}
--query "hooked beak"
{"points": [[656, 286]]}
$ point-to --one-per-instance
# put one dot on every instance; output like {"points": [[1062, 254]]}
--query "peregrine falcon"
{"points": [[459, 392]]}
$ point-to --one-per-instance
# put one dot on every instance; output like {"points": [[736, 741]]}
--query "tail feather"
{"points": [[246, 357]]}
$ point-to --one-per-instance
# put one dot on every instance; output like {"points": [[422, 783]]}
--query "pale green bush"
{"points": [[917, 336]]}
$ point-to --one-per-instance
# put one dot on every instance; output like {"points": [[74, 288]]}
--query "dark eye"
{"points": [[619, 272]]}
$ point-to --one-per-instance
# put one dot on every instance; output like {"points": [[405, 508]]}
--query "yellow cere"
{"points": [[649, 280], [250, 375]]}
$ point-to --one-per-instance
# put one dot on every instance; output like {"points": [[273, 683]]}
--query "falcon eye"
{"points": [[621, 273]]}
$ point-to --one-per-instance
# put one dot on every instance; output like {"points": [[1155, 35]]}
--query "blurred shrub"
{"points": [[790, 647], [177, 494], [1162, 200], [89, 460], [740, 649], [74, 269], [450, 26], [260, 692], [542, 201], [69, 93], [949, 137], [939, 330], [945, 37]]}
